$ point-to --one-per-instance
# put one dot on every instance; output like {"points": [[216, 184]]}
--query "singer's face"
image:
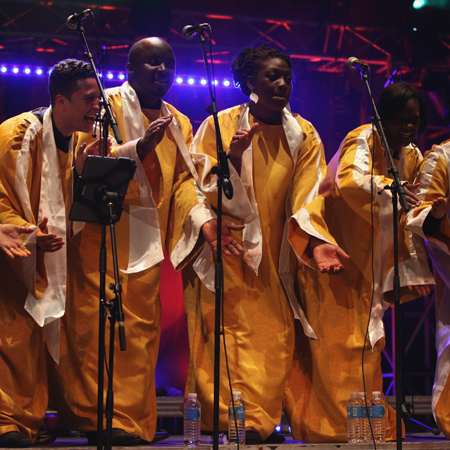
{"points": [[273, 84], [404, 128], [81, 108], [152, 71]]}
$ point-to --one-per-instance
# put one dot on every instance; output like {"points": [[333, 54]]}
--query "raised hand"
{"points": [[47, 242], [229, 243], [10, 241], [93, 149], [328, 257], [241, 141], [153, 136]]}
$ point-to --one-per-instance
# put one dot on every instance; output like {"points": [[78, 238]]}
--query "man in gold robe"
{"points": [[156, 136], [36, 162]]}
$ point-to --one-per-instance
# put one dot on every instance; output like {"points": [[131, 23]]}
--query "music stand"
{"points": [[99, 194]]}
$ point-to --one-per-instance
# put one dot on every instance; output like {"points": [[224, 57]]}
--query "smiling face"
{"points": [[402, 130], [151, 70], [77, 113], [273, 85]]}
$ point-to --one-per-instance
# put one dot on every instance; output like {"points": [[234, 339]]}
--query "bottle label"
{"points": [[240, 412], [356, 412], [192, 414], [377, 412]]}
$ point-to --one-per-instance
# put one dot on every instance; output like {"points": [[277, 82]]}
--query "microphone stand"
{"points": [[114, 308], [223, 182], [397, 189]]}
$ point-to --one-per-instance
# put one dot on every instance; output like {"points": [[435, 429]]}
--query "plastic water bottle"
{"points": [[378, 417], [192, 414], [239, 413], [354, 418], [366, 435]]}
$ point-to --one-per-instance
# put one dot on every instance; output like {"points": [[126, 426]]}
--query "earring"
{"points": [[254, 97]]}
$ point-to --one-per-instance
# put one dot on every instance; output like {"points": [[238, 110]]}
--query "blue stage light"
{"points": [[4, 69], [27, 70], [203, 81], [226, 83], [121, 76], [110, 76], [191, 81], [216, 82], [179, 80], [419, 4], [39, 71], [278, 428], [15, 70]]}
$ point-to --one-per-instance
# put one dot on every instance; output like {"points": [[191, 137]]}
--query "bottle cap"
{"points": [[362, 394], [192, 395], [376, 393], [236, 393], [354, 393]]}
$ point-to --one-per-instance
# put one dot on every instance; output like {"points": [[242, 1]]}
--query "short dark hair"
{"points": [[249, 62], [64, 77], [394, 98]]}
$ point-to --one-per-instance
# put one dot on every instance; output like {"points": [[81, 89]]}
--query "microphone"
{"points": [[189, 30], [73, 20], [354, 63]]}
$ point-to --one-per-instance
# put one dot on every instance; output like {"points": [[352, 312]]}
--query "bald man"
{"points": [[156, 137]]}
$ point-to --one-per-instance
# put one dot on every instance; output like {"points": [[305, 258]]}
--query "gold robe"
{"points": [[434, 183], [134, 369], [325, 371], [23, 379], [258, 319]]}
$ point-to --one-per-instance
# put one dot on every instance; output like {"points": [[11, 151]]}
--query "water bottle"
{"points": [[354, 418], [192, 414], [378, 417], [237, 413], [366, 435]]}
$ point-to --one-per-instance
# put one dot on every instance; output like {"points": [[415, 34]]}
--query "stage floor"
{"points": [[413, 442]]}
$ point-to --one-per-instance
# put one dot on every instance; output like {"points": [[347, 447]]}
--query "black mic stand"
{"points": [[397, 189], [115, 307], [223, 182]]}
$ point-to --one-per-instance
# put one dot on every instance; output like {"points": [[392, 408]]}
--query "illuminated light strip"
{"points": [[112, 75], [216, 16]]}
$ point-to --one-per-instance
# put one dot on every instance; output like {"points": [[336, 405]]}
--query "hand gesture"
{"points": [[241, 141], [411, 198], [47, 242], [153, 136], [93, 149], [439, 207], [327, 256], [421, 290], [10, 241], [229, 243]]}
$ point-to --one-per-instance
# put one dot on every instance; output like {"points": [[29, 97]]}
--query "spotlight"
{"points": [[203, 81], [15, 70], [39, 71], [179, 80], [121, 76], [226, 83], [110, 76], [3, 69], [27, 70], [190, 80]]}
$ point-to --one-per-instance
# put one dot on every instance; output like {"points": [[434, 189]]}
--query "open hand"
{"points": [[47, 242], [153, 136], [229, 243], [10, 241]]}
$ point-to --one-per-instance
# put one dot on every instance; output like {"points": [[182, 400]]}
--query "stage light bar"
{"points": [[111, 75]]}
